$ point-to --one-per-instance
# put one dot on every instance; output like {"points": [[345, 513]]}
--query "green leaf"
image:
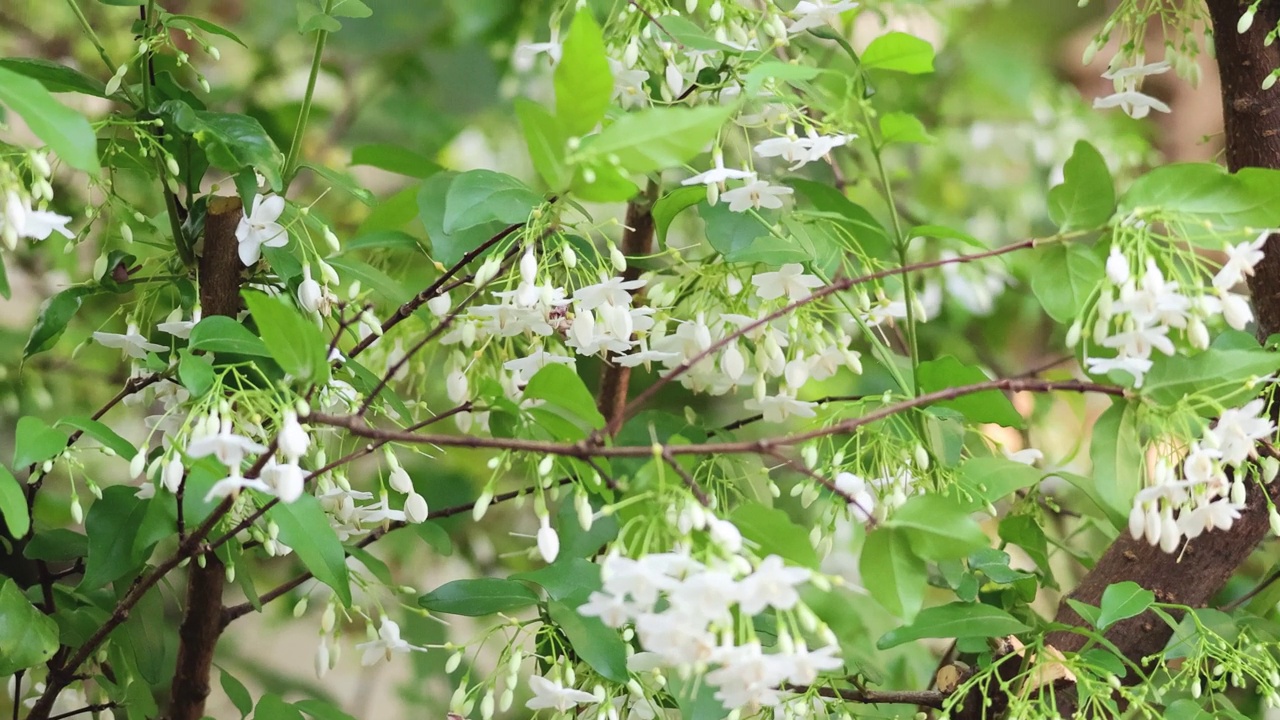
{"points": [[565, 579], [995, 565], [1116, 453], [775, 533], [583, 81], [395, 159], [893, 574], [692, 37], [236, 692], [321, 710], [370, 277], [731, 233], [1189, 195], [222, 334], [34, 442], [54, 77], [55, 313], [273, 707], [57, 545], [596, 644], [1064, 277], [483, 196], [351, 9], [1087, 196], [395, 212], [784, 71], [383, 240], [672, 204], [560, 386], [342, 181], [181, 21], [64, 130], [479, 596], [1086, 611], [1218, 373], [293, 341], [448, 248], [899, 51], [937, 528], [304, 526], [28, 637], [195, 372], [231, 141], [988, 406], [546, 138], [900, 127], [656, 138], [100, 432], [597, 181], [868, 235], [955, 620], [1026, 533], [112, 528], [1123, 600], [993, 478], [434, 536], [13, 505]]}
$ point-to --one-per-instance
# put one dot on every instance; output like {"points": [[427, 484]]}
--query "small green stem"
{"points": [[93, 36], [295, 145]]}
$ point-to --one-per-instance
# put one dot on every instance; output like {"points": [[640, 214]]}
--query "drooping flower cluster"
{"points": [[1210, 491], [683, 611], [23, 210], [1141, 316]]}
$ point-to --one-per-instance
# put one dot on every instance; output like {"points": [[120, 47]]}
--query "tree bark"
{"points": [[1199, 572], [220, 272]]}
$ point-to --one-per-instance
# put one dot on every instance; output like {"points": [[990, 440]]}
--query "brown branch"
{"points": [[587, 449], [921, 698], [636, 241], [1193, 578]]}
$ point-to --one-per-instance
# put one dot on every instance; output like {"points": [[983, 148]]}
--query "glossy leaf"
{"points": [[598, 645], [100, 432], [231, 141], [112, 528], [1220, 373], [55, 77], [64, 130], [55, 313], [937, 528], [13, 505], [482, 196], [28, 637], [567, 577], [1087, 196], [1123, 600], [955, 620], [304, 526], [221, 334], [560, 386], [1188, 195], [672, 204], [479, 596]]}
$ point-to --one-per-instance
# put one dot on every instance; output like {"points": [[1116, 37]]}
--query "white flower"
{"points": [[415, 508], [861, 502], [171, 474], [1126, 77], [526, 53], [439, 305], [552, 695], [387, 644], [18, 220], [718, 174], [548, 540], [816, 14], [756, 194], [285, 480], [293, 440], [260, 228], [790, 280], [176, 326], [225, 445], [613, 611], [613, 291], [523, 369], [1117, 266], [771, 585], [1137, 367], [806, 664], [777, 408], [1220, 514], [1135, 104], [1238, 430], [133, 343], [1241, 259], [234, 483], [1235, 310]]}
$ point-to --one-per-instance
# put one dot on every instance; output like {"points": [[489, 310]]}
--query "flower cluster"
{"points": [[23, 212], [1210, 491], [683, 612], [1140, 317]]}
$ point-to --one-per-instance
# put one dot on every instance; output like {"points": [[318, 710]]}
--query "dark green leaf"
{"points": [[937, 528], [868, 235], [64, 130], [195, 372], [222, 334], [57, 545], [995, 565], [395, 159], [598, 645], [55, 313], [342, 181], [1086, 197], [55, 77], [273, 707], [180, 21], [955, 620], [1123, 600], [304, 526], [566, 578], [1117, 457], [561, 387], [775, 533], [28, 637], [112, 528], [231, 141], [989, 406], [1064, 277], [13, 505], [993, 478], [479, 596], [236, 692], [100, 432], [1221, 374], [448, 248], [384, 240], [293, 341], [672, 204], [321, 710]]}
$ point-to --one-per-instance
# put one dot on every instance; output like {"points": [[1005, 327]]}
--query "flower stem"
{"points": [[295, 145]]}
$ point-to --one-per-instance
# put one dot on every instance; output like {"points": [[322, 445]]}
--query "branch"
{"points": [[920, 698]]}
